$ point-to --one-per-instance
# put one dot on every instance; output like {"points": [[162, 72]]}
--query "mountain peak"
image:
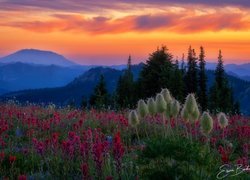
{"points": [[35, 56], [31, 50]]}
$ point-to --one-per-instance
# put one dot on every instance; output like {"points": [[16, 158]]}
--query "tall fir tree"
{"points": [[183, 65], [219, 72], [157, 73], [202, 81], [177, 82], [129, 65], [221, 95], [125, 94], [100, 98], [191, 75]]}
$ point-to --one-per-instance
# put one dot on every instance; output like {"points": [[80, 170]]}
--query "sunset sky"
{"points": [[107, 31]]}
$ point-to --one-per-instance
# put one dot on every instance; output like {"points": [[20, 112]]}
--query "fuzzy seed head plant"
{"points": [[133, 118], [161, 104], [194, 116], [168, 111], [206, 123], [167, 96], [151, 106], [142, 108], [191, 108], [222, 120], [175, 108], [190, 102], [185, 114]]}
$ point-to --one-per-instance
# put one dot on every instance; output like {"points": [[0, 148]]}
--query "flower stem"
{"points": [[137, 134]]}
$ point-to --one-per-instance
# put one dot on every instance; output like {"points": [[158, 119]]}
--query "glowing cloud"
{"points": [[115, 28]]}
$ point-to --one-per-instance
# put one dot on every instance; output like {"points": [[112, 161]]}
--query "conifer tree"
{"points": [[221, 95], [99, 99], [219, 72], [191, 75], [177, 82], [183, 66], [157, 73], [214, 98], [202, 80], [125, 88]]}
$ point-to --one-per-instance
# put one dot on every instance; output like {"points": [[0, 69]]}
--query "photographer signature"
{"points": [[227, 170]]}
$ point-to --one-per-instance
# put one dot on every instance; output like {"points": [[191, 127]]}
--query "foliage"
{"points": [[52, 143], [221, 97], [157, 73], [176, 158], [192, 72], [202, 90], [178, 83], [125, 90], [99, 98]]}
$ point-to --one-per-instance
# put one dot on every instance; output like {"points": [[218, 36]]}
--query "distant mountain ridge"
{"points": [[47, 58], [39, 57], [241, 71], [19, 76], [83, 86], [34, 69], [3, 91], [74, 91]]}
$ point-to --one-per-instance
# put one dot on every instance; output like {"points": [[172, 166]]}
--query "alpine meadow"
{"points": [[124, 90]]}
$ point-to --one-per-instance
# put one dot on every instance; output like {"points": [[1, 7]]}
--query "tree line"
{"points": [[160, 71]]}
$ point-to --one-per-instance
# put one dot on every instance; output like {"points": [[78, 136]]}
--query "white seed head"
{"points": [[222, 120], [175, 108], [167, 96], [191, 108], [194, 116], [151, 106], [142, 108], [185, 114], [206, 123], [190, 102], [133, 118], [161, 104]]}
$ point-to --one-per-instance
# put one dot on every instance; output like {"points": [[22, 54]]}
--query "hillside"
{"points": [[81, 86], [241, 71], [85, 83], [3, 91], [20, 76]]}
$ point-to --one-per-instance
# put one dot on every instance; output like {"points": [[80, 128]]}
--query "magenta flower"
{"points": [[118, 152]]}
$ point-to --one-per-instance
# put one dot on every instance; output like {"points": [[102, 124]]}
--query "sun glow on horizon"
{"points": [[102, 33]]}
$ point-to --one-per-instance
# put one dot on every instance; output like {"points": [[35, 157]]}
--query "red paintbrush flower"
{"points": [[12, 159], [22, 177], [118, 152], [85, 170], [109, 178], [2, 155]]}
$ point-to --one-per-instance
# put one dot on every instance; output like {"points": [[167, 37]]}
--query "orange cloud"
{"points": [[213, 22], [187, 22], [99, 31]]}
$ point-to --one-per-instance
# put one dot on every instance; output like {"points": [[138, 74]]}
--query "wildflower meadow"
{"points": [[160, 139]]}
